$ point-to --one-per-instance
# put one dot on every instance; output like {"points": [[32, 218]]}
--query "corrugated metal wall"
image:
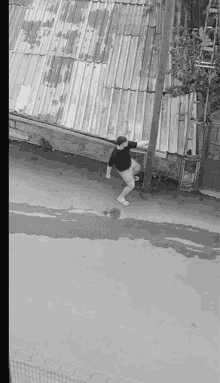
{"points": [[91, 66]]}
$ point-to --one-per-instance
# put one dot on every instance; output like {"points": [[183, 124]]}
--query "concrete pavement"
{"points": [[128, 291]]}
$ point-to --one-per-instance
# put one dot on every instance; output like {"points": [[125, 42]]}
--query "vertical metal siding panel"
{"points": [[45, 19], [137, 21], [75, 95], [122, 62], [103, 45], [148, 116], [113, 115], [19, 77], [130, 63], [81, 111], [144, 25], [152, 18], [123, 18], [153, 71], [146, 59], [192, 131], [65, 90], [67, 16], [55, 94], [15, 24], [114, 61], [51, 18], [109, 41], [59, 24], [174, 123], [131, 114], [69, 91], [35, 82], [128, 21], [122, 125], [39, 85], [164, 129], [182, 130], [92, 94], [137, 66], [33, 39], [28, 29], [13, 67], [99, 101], [81, 29], [72, 34], [139, 119], [19, 44], [104, 122], [101, 13], [89, 31], [49, 90]]}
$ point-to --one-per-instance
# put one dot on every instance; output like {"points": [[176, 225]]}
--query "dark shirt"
{"points": [[121, 158]]}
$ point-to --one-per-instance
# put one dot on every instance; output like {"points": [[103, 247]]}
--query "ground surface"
{"points": [[131, 291]]}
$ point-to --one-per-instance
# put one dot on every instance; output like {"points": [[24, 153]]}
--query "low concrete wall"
{"points": [[64, 140]]}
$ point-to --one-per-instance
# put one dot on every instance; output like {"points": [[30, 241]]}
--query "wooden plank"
{"points": [[151, 85], [112, 129], [139, 118], [174, 124], [122, 125], [70, 122], [92, 94], [114, 61], [148, 50], [148, 116], [122, 61], [105, 110], [83, 97], [130, 63]]}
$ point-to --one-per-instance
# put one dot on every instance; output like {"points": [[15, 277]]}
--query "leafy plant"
{"points": [[185, 51]]}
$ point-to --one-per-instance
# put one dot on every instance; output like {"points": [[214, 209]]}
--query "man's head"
{"points": [[122, 142]]}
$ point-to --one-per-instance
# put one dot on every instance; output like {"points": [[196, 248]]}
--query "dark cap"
{"points": [[120, 140]]}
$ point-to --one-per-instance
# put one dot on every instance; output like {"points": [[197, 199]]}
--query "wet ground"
{"points": [[129, 291]]}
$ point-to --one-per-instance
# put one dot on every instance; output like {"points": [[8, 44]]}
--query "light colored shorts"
{"points": [[128, 175]]}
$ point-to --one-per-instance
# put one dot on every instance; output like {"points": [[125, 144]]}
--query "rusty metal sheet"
{"points": [[129, 68], [122, 62], [131, 114], [90, 66], [148, 51], [112, 128]]}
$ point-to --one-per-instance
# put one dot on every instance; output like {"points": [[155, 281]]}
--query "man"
{"points": [[126, 166]]}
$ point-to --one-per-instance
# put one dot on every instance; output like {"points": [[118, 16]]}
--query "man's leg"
{"points": [[127, 190], [135, 167]]}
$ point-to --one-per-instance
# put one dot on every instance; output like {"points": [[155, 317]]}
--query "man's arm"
{"points": [[143, 144], [110, 164]]}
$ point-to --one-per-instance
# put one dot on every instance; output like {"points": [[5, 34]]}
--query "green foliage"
{"points": [[185, 51]]}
